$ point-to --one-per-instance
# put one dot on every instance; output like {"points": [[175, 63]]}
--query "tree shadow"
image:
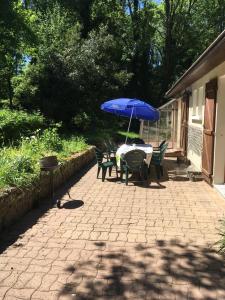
{"points": [[169, 270]]}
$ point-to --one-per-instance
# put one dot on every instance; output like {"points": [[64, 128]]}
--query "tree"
{"points": [[44, 83], [131, 22], [65, 57], [71, 75], [176, 15], [16, 34], [98, 70]]}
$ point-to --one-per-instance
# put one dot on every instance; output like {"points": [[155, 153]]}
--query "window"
{"points": [[200, 101], [195, 104], [197, 100]]}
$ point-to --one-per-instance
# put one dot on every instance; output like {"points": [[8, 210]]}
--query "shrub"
{"points": [[71, 146], [20, 165], [15, 124], [51, 140], [82, 121], [17, 169]]}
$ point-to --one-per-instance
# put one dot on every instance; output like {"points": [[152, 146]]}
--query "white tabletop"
{"points": [[147, 148]]}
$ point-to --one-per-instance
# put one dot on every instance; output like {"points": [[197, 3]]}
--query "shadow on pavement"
{"points": [[166, 270], [72, 204]]}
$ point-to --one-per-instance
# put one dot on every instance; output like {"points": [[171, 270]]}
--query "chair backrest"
{"points": [[110, 142], [99, 156], [163, 151], [137, 141], [134, 159], [162, 143], [107, 147], [112, 145]]}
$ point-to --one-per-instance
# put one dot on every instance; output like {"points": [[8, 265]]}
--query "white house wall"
{"points": [[196, 120], [195, 130], [219, 157], [178, 122]]}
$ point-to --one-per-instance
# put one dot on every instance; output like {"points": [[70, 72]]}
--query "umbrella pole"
{"points": [[129, 124]]}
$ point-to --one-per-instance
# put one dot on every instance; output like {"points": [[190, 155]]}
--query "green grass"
{"points": [[20, 164], [99, 136], [131, 135]]}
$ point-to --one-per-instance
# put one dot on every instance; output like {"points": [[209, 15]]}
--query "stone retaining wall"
{"points": [[15, 202]]}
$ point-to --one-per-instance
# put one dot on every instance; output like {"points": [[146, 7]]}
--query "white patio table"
{"points": [[147, 148]]}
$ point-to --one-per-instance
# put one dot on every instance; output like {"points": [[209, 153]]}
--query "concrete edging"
{"points": [[15, 202]]}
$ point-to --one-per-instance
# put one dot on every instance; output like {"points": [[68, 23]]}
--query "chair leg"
{"points": [[116, 171], [126, 177], [157, 169], [121, 174], [161, 170], [110, 171], [99, 169], [103, 174], [149, 172], [147, 176]]}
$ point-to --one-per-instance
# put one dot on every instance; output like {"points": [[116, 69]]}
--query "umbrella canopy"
{"points": [[131, 108]]}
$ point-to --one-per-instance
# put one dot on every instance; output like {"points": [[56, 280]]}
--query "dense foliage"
{"points": [[16, 124], [25, 138], [65, 57], [20, 164]]}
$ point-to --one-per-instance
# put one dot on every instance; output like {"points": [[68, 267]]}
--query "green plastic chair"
{"points": [[133, 162], [137, 141], [157, 160], [104, 165], [111, 148], [160, 146]]}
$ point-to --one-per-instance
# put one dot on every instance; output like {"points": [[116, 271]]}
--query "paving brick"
{"points": [[10, 280], [47, 281], [64, 253], [35, 281], [38, 269], [20, 293], [3, 290], [122, 237], [23, 279], [38, 295], [4, 275]]}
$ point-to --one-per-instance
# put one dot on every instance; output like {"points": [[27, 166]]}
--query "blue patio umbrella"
{"points": [[131, 108]]}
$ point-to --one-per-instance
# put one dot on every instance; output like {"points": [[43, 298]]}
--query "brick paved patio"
{"points": [[118, 242]]}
